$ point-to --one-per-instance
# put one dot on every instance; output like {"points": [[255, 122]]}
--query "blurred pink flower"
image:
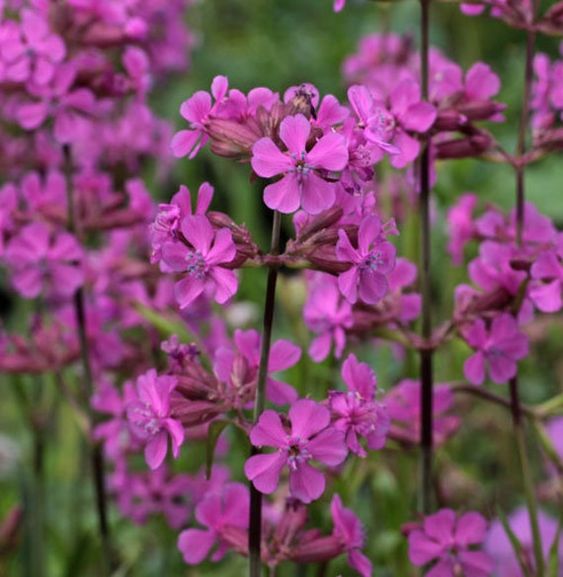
{"points": [[498, 348], [151, 420], [449, 541]]}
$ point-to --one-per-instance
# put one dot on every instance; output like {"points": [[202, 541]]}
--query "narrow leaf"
{"points": [[164, 324], [516, 545], [553, 563], [213, 434]]}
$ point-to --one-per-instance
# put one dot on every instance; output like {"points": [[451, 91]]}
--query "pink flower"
{"points": [[350, 534], [202, 260], [302, 184], [196, 110], [403, 405], [43, 261], [141, 495], [68, 106], [218, 512], [283, 355], [499, 348], [338, 5], [371, 262], [499, 547], [461, 227], [311, 438], [29, 51], [328, 315], [167, 221], [388, 123], [151, 420], [356, 413], [446, 540], [547, 284], [114, 432]]}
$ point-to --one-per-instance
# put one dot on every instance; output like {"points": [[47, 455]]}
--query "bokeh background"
{"points": [[279, 43]]}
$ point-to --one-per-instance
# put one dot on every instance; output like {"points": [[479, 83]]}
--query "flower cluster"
{"points": [[131, 289]]}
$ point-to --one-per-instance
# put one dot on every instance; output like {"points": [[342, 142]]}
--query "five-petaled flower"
{"points": [[311, 438], [43, 260], [302, 184], [222, 512], [356, 412], [448, 541], [350, 533], [151, 420], [499, 348], [370, 262], [202, 259]]}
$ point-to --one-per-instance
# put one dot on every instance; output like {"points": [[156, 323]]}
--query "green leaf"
{"points": [[164, 324], [213, 434], [553, 563], [548, 447], [516, 545]]}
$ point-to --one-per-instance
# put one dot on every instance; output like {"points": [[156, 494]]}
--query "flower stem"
{"points": [[96, 455], [255, 521], [426, 368], [516, 406], [527, 480]]}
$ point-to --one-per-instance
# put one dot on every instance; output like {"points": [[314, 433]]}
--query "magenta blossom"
{"points": [[141, 495], [328, 315], [387, 124], [450, 543], [461, 226], [202, 261], [28, 50], [499, 348], [371, 262], [169, 216], [339, 5], [403, 405], [151, 420], [356, 412], [237, 366], [302, 184], [283, 355], [500, 548], [70, 107], [221, 513], [311, 438], [350, 533], [196, 111], [44, 261], [547, 286]]}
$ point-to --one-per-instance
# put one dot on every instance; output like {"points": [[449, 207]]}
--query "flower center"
{"points": [[495, 352], [146, 420], [296, 453], [301, 166], [195, 264], [373, 261], [382, 124]]}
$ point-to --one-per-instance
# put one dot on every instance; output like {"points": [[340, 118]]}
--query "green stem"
{"points": [[528, 482], [255, 521]]}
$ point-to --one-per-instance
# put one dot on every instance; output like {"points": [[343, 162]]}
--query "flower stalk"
{"points": [[516, 406], [255, 520], [96, 454], [426, 355]]}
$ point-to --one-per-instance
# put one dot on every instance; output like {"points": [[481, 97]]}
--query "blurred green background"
{"points": [[278, 43]]}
